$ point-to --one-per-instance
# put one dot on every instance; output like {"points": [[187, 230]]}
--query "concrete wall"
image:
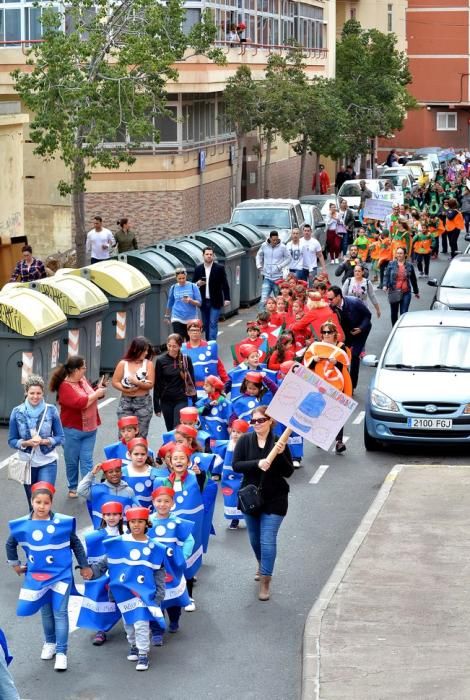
{"points": [[11, 181], [373, 14]]}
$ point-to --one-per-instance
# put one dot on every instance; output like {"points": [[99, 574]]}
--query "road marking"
{"points": [[219, 333], [359, 418], [234, 323], [106, 401], [318, 474]]}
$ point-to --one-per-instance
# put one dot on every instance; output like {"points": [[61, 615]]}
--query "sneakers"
{"points": [[73, 494], [233, 525], [142, 662], [99, 639], [48, 651], [340, 447], [133, 654], [157, 640], [173, 627], [296, 463], [191, 607], [60, 662]]}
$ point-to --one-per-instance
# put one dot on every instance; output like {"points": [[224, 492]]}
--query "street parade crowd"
{"points": [[151, 506]]}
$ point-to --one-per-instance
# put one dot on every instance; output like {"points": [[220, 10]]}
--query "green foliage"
{"points": [[242, 101]]}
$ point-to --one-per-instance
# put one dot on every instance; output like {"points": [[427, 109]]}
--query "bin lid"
{"points": [[116, 278], [28, 312], [158, 265], [187, 250], [74, 295], [248, 236], [225, 246]]}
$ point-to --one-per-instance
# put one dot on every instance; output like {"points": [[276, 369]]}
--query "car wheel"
{"points": [[370, 443]]}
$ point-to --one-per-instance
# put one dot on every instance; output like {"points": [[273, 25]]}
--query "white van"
{"points": [[281, 215]]}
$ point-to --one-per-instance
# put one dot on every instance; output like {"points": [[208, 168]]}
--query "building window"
{"points": [[352, 13], [390, 17], [446, 121]]}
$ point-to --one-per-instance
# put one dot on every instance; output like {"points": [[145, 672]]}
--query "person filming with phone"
{"points": [[134, 377], [184, 301]]}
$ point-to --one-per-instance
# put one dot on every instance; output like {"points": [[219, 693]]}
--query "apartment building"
{"points": [[186, 181]]}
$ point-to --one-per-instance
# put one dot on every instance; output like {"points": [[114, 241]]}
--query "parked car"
{"points": [[420, 391], [351, 192], [401, 178], [267, 215], [420, 176], [313, 216], [430, 154], [427, 166], [453, 289]]}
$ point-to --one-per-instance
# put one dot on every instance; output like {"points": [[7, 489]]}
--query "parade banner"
{"points": [[377, 209], [311, 407]]}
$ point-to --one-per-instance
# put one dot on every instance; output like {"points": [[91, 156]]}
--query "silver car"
{"points": [[421, 390]]}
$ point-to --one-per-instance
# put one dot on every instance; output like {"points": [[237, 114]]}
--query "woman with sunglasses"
{"points": [[249, 459]]}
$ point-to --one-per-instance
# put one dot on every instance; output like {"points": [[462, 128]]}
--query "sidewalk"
{"points": [[393, 621]]}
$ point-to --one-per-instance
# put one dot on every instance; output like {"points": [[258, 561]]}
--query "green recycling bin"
{"points": [[229, 253], [250, 279], [32, 327], [187, 250], [158, 266], [84, 304], [126, 290]]}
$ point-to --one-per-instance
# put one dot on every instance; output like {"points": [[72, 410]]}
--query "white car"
{"points": [[351, 192], [427, 165], [401, 178]]}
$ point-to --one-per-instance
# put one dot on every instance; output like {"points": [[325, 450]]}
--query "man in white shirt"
{"points": [[296, 250], [99, 241], [312, 254]]}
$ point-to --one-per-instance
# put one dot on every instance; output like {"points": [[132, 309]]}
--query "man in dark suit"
{"points": [[211, 279], [355, 320]]}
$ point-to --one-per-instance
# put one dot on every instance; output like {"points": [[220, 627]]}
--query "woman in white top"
{"points": [[361, 288], [134, 377], [334, 238]]}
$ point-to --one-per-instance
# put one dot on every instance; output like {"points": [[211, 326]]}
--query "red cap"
{"points": [[137, 441], [111, 464], [252, 324], [215, 382], [167, 447], [285, 366], [246, 349], [240, 425], [255, 377], [187, 430], [128, 420], [43, 485], [197, 322], [189, 412], [137, 514], [163, 491], [182, 448], [111, 507]]}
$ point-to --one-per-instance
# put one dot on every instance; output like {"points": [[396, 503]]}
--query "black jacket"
{"points": [[169, 386], [219, 291], [275, 488], [347, 270]]}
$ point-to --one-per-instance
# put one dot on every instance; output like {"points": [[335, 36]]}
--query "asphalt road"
{"points": [[233, 647]]}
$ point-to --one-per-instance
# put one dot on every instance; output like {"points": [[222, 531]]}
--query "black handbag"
{"points": [[394, 296], [250, 498]]}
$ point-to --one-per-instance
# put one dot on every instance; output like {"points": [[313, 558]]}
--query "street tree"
{"points": [[99, 77]]}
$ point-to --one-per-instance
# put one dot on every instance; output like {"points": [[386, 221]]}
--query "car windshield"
{"points": [[439, 348], [263, 218], [350, 190], [457, 275]]}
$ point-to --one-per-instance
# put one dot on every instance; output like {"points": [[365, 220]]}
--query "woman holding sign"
{"points": [[263, 496]]}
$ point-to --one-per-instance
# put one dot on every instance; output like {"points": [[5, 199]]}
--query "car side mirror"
{"points": [[432, 283], [370, 360]]}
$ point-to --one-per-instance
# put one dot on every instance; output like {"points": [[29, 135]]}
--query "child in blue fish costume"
{"points": [[251, 363], [128, 427], [253, 393], [136, 566], [48, 540], [189, 505], [215, 409], [205, 362], [97, 611], [139, 474], [231, 481], [189, 415], [171, 531], [112, 489]]}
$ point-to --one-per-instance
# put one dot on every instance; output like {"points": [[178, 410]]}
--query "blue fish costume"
{"points": [[218, 448], [188, 505], [237, 375], [131, 565], [118, 450], [46, 544], [204, 359], [141, 484], [97, 612], [216, 420], [230, 485], [100, 494], [172, 532], [243, 405], [294, 441]]}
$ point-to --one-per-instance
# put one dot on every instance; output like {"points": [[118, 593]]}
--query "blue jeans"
{"points": [[48, 472], [78, 454], [7, 686], [269, 288], [210, 319], [300, 274], [262, 531], [400, 306], [55, 624]]}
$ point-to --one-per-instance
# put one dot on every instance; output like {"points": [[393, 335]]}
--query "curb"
{"points": [[311, 653]]}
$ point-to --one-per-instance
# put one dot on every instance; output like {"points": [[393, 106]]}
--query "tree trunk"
{"points": [[267, 166], [239, 169], [260, 187], [78, 204], [303, 163], [317, 173]]}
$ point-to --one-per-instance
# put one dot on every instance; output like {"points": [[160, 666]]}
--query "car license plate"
{"points": [[430, 423]]}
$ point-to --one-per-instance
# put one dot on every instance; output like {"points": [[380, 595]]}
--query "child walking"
{"points": [[113, 488]]}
